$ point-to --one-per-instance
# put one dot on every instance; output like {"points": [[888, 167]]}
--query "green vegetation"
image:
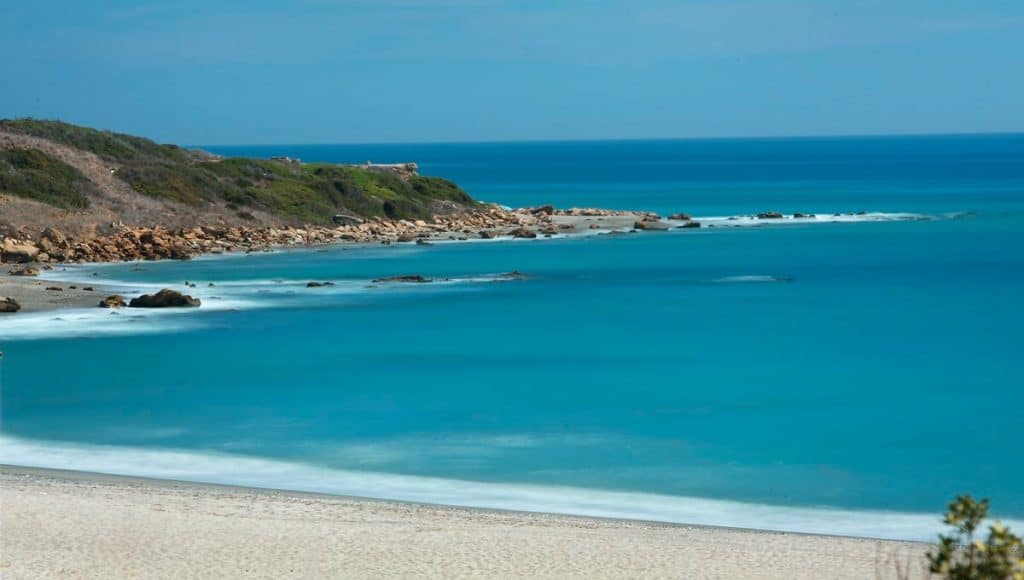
{"points": [[961, 557], [311, 193], [35, 175]]}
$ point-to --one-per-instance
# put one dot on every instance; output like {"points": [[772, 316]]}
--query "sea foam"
{"points": [[221, 468]]}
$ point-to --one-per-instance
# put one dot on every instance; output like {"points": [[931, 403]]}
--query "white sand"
{"points": [[70, 525]]}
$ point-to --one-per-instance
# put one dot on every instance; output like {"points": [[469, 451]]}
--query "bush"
{"points": [[32, 174], [960, 557]]}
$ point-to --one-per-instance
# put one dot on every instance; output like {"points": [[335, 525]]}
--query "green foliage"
{"points": [[311, 193], [960, 557], [32, 174]]}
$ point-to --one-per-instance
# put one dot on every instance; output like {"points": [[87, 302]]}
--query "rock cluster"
{"points": [[8, 304], [115, 301], [157, 243]]}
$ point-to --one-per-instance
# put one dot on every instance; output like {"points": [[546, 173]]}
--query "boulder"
{"points": [[799, 215], [55, 237], [406, 238], [690, 224], [54, 289], [9, 304], [523, 233], [25, 271], [769, 215], [544, 209], [680, 217], [422, 242], [487, 235], [115, 301], [318, 284], [650, 226], [18, 253], [165, 298]]}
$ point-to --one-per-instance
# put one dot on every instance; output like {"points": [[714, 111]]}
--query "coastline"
{"points": [[102, 525]]}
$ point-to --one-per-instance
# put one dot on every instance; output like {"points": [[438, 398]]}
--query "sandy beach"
{"points": [[80, 525]]}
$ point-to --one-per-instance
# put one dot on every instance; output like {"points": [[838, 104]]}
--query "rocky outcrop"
{"points": [[413, 278], [690, 224], [799, 215], [25, 271], [114, 301], [318, 284], [165, 298], [769, 215], [680, 217], [8, 304]]}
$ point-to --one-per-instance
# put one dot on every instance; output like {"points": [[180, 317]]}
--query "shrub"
{"points": [[960, 557]]}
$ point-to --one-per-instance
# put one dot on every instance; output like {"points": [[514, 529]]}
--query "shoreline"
{"points": [[140, 514]]}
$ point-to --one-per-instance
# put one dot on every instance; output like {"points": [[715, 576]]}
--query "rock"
{"points": [[544, 209], [690, 224], [422, 242], [55, 288], [549, 231], [487, 235], [115, 301], [680, 217], [523, 233], [165, 298], [799, 215], [318, 284], [406, 238], [415, 278], [54, 236], [26, 271], [650, 226], [769, 215], [9, 304], [86, 288], [15, 253]]}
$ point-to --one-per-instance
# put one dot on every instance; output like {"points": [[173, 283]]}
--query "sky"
{"points": [[206, 72]]}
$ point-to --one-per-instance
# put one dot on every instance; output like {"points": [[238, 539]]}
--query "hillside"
{"points": [[83, 180]]}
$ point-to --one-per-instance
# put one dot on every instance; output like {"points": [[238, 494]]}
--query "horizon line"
{"points": [[625, 139]]}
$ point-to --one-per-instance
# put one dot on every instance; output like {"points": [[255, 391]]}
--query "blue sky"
{"points": [[320, 71]]}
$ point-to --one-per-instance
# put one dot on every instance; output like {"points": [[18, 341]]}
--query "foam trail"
{"points": [[211, 467]]}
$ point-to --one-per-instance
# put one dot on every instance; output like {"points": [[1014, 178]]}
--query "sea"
{"points": [[843, 374]]}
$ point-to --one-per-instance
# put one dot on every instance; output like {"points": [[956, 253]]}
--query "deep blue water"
{"points": [[858, 366]]}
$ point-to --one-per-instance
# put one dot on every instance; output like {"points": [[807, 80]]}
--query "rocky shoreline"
{"points": [[27, 252]]}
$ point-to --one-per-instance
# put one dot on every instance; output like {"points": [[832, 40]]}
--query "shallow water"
{"points": [[831, 373]]}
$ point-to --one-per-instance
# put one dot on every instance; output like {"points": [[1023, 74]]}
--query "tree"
{"points": [[961, 557]]}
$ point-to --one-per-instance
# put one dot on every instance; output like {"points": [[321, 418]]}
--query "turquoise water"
{"points": [[836, 377]]}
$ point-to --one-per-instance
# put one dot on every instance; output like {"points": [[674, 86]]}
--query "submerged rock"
{"points": [[799, 215], [690, 224], [26, 271], [769, 215], [9, 304], [513, 275], [114, 301], [165, 298], [680, 217], [318, 284], [409, 278]]}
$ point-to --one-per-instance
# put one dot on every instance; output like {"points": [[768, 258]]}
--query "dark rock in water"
{"points": [[680, 217], [318, 284], [690, 225], [115, 301], [406, 238], [799, 215], [422, 242], [165, 298], [549, 231], [650, 226], [409, 278], [523, 233], [487, 235], [55, 288], [862, 213], [769, 215], [9, 304], [86, 288]]}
